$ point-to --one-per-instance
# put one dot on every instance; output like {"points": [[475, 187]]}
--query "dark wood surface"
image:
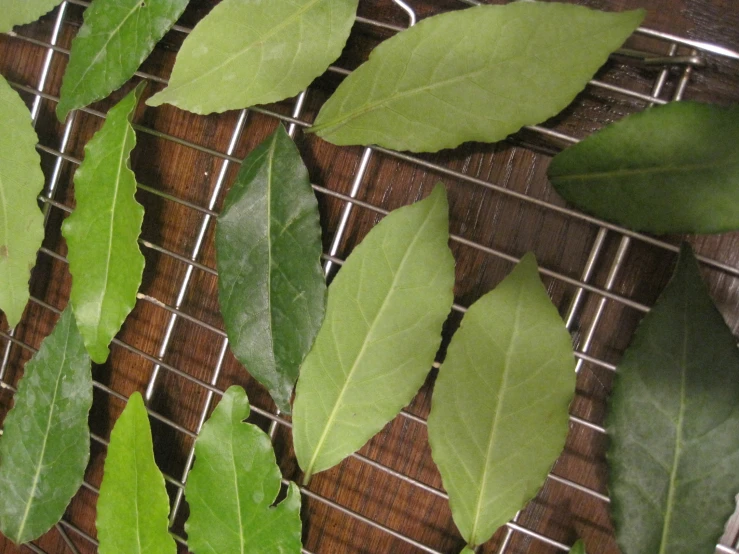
{"points": [[500, 225]]}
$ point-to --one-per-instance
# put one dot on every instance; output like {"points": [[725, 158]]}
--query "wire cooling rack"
{"points": [[387, 497]]}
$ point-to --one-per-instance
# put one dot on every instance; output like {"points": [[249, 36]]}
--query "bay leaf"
{"points": [[476, 74], [674, 424], [45, 444], [256, 52], [669, 169], [233, 484], [21, 180], [20, 12], [578, 548], [271, 288], [382, 329], [116, 36], [500, 407], [102, 232], [133, 504]]}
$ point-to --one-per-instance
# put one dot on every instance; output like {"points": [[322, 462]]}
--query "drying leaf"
{"points": [[669, 169], [20, 12], [499, 414], [475, 74], [578, 548], [133, 504], [674, 424], [233, 485], [251, 52], [268, 249], [46, 443], [382, 329], [21, 180], [116, 36], [102, 233]]}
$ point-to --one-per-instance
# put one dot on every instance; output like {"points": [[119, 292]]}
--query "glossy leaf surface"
{"points": [[46, 442], [133, 504], [116, 36], [20, 12], [233, 484], [674, 424], [268, 251], [257, 52], [499, 413], [475, 74], [21, 180], [669, 169], [102, 232], [382, 329]]}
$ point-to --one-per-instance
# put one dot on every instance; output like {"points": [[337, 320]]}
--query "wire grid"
{"points": [[594, 287]]}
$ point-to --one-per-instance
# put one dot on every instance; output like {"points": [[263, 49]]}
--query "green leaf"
{"points": [[102, 233], [674, 424], [578, 548], [20, 12], [268, 250], [233, 484], [21, 180], [46, 443], [116, 36], [382, 329], [669, 169], [133, 504], [499, 413], [475, 74], [257, 52]]}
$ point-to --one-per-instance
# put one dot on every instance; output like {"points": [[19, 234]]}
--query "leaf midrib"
{"points": [[385, 303], [659, 170], [42, 455], [262, 39], [496, 417]]}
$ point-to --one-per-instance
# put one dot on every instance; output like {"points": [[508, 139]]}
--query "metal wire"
{"points": [[581, 284]]}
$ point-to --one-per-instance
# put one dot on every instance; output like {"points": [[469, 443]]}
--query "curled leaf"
{"points": [[45, 444], [268, 249], [233, 484], [381, 331]]}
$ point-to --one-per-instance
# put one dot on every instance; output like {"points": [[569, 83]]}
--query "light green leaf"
{"points": [[268, 249], [499, 413], [578, 548], [674, 424], [102, 233], [133, 504], [116, 36], [257, 52], [233, 485], [20, 12], [46, 443], [21, 180], [475, 74], [382, 329], [669, 169]]}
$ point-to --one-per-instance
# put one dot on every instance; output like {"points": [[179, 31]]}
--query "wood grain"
{"points": [[181, 155]]}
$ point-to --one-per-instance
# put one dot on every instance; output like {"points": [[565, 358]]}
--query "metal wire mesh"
{"points": [[596, 287]]}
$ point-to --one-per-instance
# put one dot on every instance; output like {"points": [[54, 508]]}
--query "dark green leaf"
{"points": [[382, 329], [233, 485], [499, 414], [133, 504], [674, 424], [20, 12], [669, 169], [21, 180], [116, 36], [268, 249], [102, 233], [475, 74], [256, 52], [46, 443]]}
